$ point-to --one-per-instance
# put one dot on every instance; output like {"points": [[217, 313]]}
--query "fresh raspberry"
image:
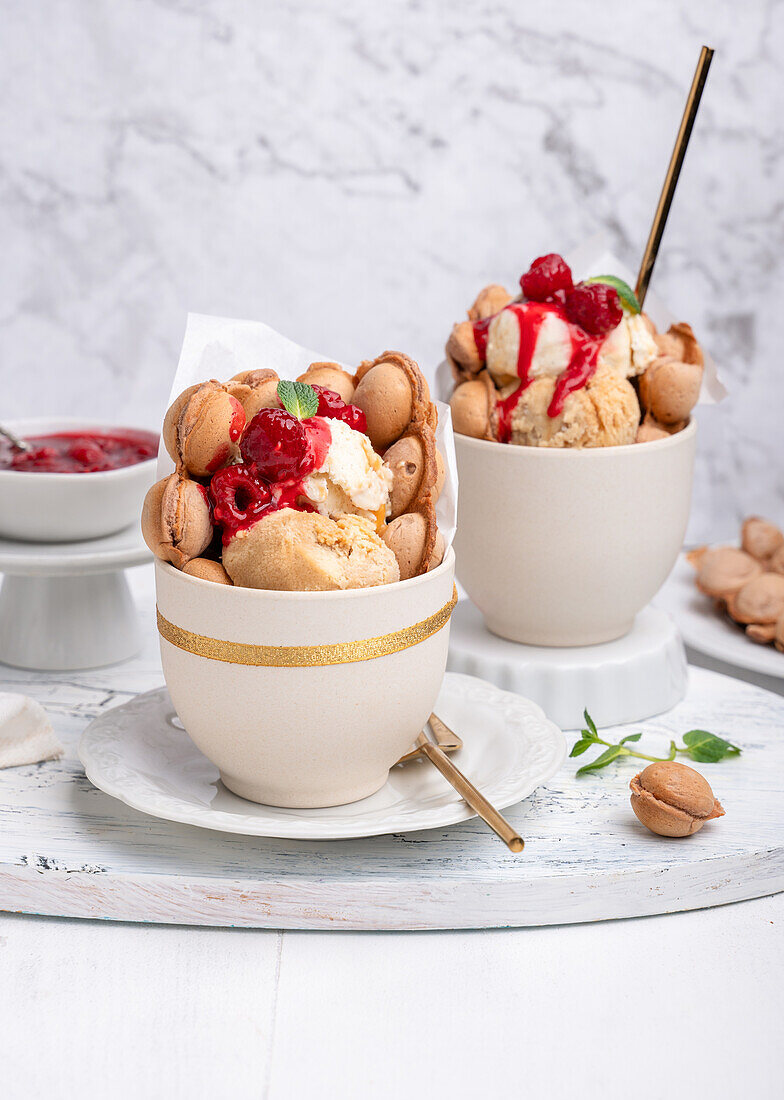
{"points": [[333, 406], [546, 275], [238, 496], [330, 403], [277, 444], [595, 308]]}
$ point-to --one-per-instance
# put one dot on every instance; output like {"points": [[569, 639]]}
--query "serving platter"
{"points": [[67, 848], [707, 631]]}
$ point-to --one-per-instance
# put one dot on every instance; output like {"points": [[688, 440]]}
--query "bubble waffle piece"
{"points": [[207, 570], [417, 469], [332, 377], [649, 430], [490, 300], [401, 419], [202, 428], [761, 538], [472, 404], [760, 600], [776, 562], [176, 523], [724, 571], [392, 393], [462, 353], [670, 387], [255, 390], [415, 541]]}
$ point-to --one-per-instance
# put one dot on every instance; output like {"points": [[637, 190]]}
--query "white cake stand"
{"points": [[632, 678], [67, 605]]}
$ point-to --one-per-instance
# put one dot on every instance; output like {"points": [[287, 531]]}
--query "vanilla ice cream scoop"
{"points": [[552, 350], [352, 478]]}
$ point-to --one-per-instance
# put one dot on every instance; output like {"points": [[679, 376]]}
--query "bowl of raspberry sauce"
{"points": [[81, 480]]}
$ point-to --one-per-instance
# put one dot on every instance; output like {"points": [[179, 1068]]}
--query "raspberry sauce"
{"points": [[80, 452], [582, 363]]}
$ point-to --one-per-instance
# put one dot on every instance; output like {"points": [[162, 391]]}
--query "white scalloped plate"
{"points": [[708, 631], [139, 754]]}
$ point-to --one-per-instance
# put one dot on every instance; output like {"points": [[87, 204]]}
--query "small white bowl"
{"points": [[316, 734], [43, 507], [564, 547]]}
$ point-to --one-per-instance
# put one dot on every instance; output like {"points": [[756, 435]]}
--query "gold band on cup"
{"points": [[304, 656]]}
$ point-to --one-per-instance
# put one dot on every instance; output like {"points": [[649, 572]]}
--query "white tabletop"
{"points": [[680, 1005]]}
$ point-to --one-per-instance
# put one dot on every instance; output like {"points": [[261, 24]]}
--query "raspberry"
{"points": [[277, 444], [546, 275], [238, 496], [330, 403], [595, 308], [333, 406]]}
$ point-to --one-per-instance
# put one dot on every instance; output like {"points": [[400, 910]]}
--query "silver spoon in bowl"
{"points": [[17, 443]]}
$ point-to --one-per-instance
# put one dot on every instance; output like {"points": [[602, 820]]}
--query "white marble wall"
{"points": [[352, 172]]}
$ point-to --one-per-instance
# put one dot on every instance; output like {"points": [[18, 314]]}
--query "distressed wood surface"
{"points": [[68, 849]]}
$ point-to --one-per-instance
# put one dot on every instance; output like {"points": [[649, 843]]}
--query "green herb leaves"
{"points": [[704, 747], [298, 398]]}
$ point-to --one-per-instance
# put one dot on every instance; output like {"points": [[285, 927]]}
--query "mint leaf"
{"points": [[579, 747], [673, 751], [602, 760], [298, 398], [707, 748], [631, 737], [590, 724], [629, 300]]}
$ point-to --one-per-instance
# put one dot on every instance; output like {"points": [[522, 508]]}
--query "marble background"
{"points": [[352, 173]]}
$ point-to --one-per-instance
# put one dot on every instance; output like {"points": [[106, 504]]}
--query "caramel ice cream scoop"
{"points": [[332, 377], [604, 413], [649, 431], [672, 799], [176, 521], [294, 551], [202, 428]]}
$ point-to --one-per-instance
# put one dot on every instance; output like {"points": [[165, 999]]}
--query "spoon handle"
{"points": [[466, 789], [17, 443]]}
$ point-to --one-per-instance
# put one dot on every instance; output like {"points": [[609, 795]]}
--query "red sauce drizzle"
{"points": [[530, 318], [80, 452]]}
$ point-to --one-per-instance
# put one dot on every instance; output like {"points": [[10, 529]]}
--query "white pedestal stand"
{"points": [[67, 605], [623, 681]]}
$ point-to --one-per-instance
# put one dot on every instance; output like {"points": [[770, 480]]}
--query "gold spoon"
{"points": [[447, 741]]}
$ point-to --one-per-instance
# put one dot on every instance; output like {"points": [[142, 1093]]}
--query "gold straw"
{"points": [[673, 171]]}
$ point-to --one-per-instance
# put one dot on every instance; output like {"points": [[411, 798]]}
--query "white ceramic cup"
{"points": [[562, 547], [41, 507], [318, 734]]}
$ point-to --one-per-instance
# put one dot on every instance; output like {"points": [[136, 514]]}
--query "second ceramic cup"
{"points": [[564, 547]]}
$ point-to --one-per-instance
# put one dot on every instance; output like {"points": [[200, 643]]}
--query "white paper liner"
{"points": [[219, 347], [596, 258]]}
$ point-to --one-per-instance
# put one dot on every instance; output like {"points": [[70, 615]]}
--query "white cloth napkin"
{"points": [[26, 734]]}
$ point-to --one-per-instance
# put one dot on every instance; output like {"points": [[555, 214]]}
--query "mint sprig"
{"points": [[298, 398], [699, 745]]}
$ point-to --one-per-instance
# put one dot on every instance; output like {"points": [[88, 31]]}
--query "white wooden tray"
{"points": [[68, 849]]}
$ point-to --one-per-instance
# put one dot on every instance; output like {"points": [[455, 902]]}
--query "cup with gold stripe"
{"points": [[304, 699]]}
